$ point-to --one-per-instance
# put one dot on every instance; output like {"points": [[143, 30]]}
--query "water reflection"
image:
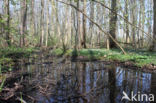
{"points": [[89, 82]]}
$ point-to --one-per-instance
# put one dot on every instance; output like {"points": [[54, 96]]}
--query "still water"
{"points": [[86, 82]]}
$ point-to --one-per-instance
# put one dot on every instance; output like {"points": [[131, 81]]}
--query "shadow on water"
{"points": [[85, 82]]}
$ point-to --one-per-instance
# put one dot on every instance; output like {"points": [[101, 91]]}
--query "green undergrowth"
{"points": [[15, 52], [139, 58], [10, 54]]}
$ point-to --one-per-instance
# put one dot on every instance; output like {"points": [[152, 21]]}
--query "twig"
{"points": [[23, 101]]}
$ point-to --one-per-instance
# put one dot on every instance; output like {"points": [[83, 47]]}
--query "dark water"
{"points": [[86, 82]]}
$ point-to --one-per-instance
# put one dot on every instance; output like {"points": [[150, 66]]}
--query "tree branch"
{"points": [[94, 24]]}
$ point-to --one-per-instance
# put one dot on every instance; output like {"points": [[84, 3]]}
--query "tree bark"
{"points": [[127, 25], [42, 23], [154, 27], [91, 24], [143, 22], [33, 17], [7, 11], [134, 17], [83, 41], [47, 21], [113, 20], [23, 20], [78, 36]]}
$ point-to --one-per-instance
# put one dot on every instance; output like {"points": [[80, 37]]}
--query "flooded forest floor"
{"points": [[53, 76]]}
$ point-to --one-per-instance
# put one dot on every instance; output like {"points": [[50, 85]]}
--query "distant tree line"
{"points": [[78, 23]]}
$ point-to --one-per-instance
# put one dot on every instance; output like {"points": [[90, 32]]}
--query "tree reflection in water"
{"points": [[93, 82]]}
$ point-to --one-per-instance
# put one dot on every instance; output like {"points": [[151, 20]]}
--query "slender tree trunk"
{"points": [[7, 11], [154, 27], [23, 19], [127, 25], [113, 20], [72, 24], [32, 18], [139, 25], [83, 41], [77, 28], [78, 37], [42, 23], [91, 24], [134, 15], [143, 22], [47, 21]]}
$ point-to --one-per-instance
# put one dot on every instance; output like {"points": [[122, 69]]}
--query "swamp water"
{"points": [[63, 81]]}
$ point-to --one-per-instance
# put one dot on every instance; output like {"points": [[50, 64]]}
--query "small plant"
{"points": [[2, 84]]}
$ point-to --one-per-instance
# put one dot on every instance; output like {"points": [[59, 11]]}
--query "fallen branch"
{"points": [[147, 34], [95, 24]]}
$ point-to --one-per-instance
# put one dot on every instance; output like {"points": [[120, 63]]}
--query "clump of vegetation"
{"points": [[10, 54], [16, 53], [57, 52]]}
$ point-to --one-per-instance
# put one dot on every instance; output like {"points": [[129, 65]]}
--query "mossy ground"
{"points": [[140, 58]]}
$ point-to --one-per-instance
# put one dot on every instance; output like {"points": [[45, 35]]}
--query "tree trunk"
{"points": [[42, 23], [83, 41], [133, 16], [7, 11], [47, 27], [23, 20], [154, 27], [78, 36], [127, 25], [91, 24], [32, 18], [113, 20], [143, 22]]}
